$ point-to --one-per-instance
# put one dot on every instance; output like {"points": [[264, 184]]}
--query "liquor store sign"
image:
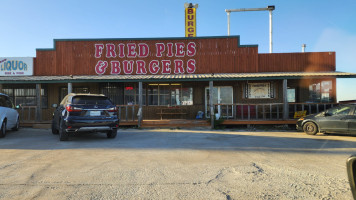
{"points": [[141, 58], [16, 66]]}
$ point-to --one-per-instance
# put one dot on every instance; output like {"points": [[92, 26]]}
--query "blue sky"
{"points": [[323, 25]]}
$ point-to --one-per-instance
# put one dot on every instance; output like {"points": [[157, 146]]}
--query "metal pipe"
{"points": [[228, 23], [303, 47], [269, 8], [270, 32]]}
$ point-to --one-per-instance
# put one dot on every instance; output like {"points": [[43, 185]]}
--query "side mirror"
{"points": [[54, 105], [351, 173]]}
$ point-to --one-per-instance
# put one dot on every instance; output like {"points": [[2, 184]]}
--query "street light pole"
{"points": [[269, 8]]}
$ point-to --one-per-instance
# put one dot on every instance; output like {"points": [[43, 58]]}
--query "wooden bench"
{"points": [[171, 111]]}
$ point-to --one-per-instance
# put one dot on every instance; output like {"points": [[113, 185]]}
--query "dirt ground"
{"points": [[175, 164]]}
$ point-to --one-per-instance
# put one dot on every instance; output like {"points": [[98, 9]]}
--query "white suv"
{"points": [[9, 117]]}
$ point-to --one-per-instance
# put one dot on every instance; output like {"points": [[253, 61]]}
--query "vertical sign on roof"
{"points": [[190, 21]]}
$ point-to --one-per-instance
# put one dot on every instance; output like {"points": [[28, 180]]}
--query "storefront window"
{"points": [[187, 96], [321, 92], [152, 90], [114, 91], [26, 95], [291, 95], [169, 94]]}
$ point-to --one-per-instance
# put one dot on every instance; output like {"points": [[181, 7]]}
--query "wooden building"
{"points": [[170, 78]]}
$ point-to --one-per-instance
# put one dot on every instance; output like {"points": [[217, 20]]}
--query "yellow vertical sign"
{"points": [[190, 22]]}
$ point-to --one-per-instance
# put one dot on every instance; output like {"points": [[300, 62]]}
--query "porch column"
{"points": [[38, 103], [139, 113], [0, 88], [70, 88], [285, 101], [211, 90]]}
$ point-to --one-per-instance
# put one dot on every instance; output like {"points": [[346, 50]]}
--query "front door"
{"points": [[222, 95]]}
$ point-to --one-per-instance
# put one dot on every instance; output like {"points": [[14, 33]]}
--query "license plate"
{"points": [[95, 113]]}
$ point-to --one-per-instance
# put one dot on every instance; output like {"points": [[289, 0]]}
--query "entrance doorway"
{"points": [[222, 95]]}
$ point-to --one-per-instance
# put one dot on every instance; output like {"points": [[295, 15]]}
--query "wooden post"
{"points": [[0, 88], [139, 114], [70, 88], [38, 103], [211, 91], [285, 100]]}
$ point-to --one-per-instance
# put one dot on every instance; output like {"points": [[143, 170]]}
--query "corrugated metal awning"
{"points": [[170, 77]]}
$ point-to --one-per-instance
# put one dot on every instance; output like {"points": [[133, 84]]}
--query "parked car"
{"points": [[339, 119], [85, 113], [9, 117]]}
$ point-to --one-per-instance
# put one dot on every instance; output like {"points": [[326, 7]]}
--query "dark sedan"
{"points": [[339, 119], [85, 113]]}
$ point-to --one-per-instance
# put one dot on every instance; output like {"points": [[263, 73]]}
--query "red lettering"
{"points": [[191, 49], [128, 66], [141, 67], [121, 50], [143, 50], [98, 50], [190, 17], [115, 67], [190, 10], [110, 51], [190, 23], [131, 48], [180, 49], [159, 49], [178, 67], [166, 69], [101, 66], [170, 49], [191, 35], [191, 66], [154, 66]]}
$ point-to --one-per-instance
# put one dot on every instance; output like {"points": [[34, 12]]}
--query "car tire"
{"points": [[17, 126], [54, 130], [112, 133], [3, 129], [63, 135], [310, 128]]}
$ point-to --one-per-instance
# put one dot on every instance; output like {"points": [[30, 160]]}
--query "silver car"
{"points": [[9, 117]]}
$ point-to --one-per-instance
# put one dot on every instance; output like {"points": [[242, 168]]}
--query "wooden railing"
{"points": [[127, 113], [272, 111], [27, 113]]}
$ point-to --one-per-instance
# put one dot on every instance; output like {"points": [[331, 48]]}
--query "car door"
{"points": [[11, 113], [335, 119], [352, 122]]}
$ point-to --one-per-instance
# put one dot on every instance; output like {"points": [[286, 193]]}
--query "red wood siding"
{"points": [[213, 55], [297, 62]]}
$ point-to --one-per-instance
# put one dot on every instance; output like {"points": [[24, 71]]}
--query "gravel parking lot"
{"points": [[175, 164]]}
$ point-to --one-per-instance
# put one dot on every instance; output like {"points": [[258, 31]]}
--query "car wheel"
{"points": [[17, 126], [63, 135], [3, 129], [112, 133], [310, 128], [54, 130]]}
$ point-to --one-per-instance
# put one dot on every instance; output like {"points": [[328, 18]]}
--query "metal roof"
{"points": [[175, 77]]}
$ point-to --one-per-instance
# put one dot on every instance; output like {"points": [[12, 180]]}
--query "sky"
{"points": [[323, 25]]}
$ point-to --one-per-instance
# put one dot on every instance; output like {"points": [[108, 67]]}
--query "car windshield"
{"points": [[91, 100], [340, 110]]}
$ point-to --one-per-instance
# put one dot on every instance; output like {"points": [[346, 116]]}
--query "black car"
{"points": [[85, 113], [339, 119]]}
